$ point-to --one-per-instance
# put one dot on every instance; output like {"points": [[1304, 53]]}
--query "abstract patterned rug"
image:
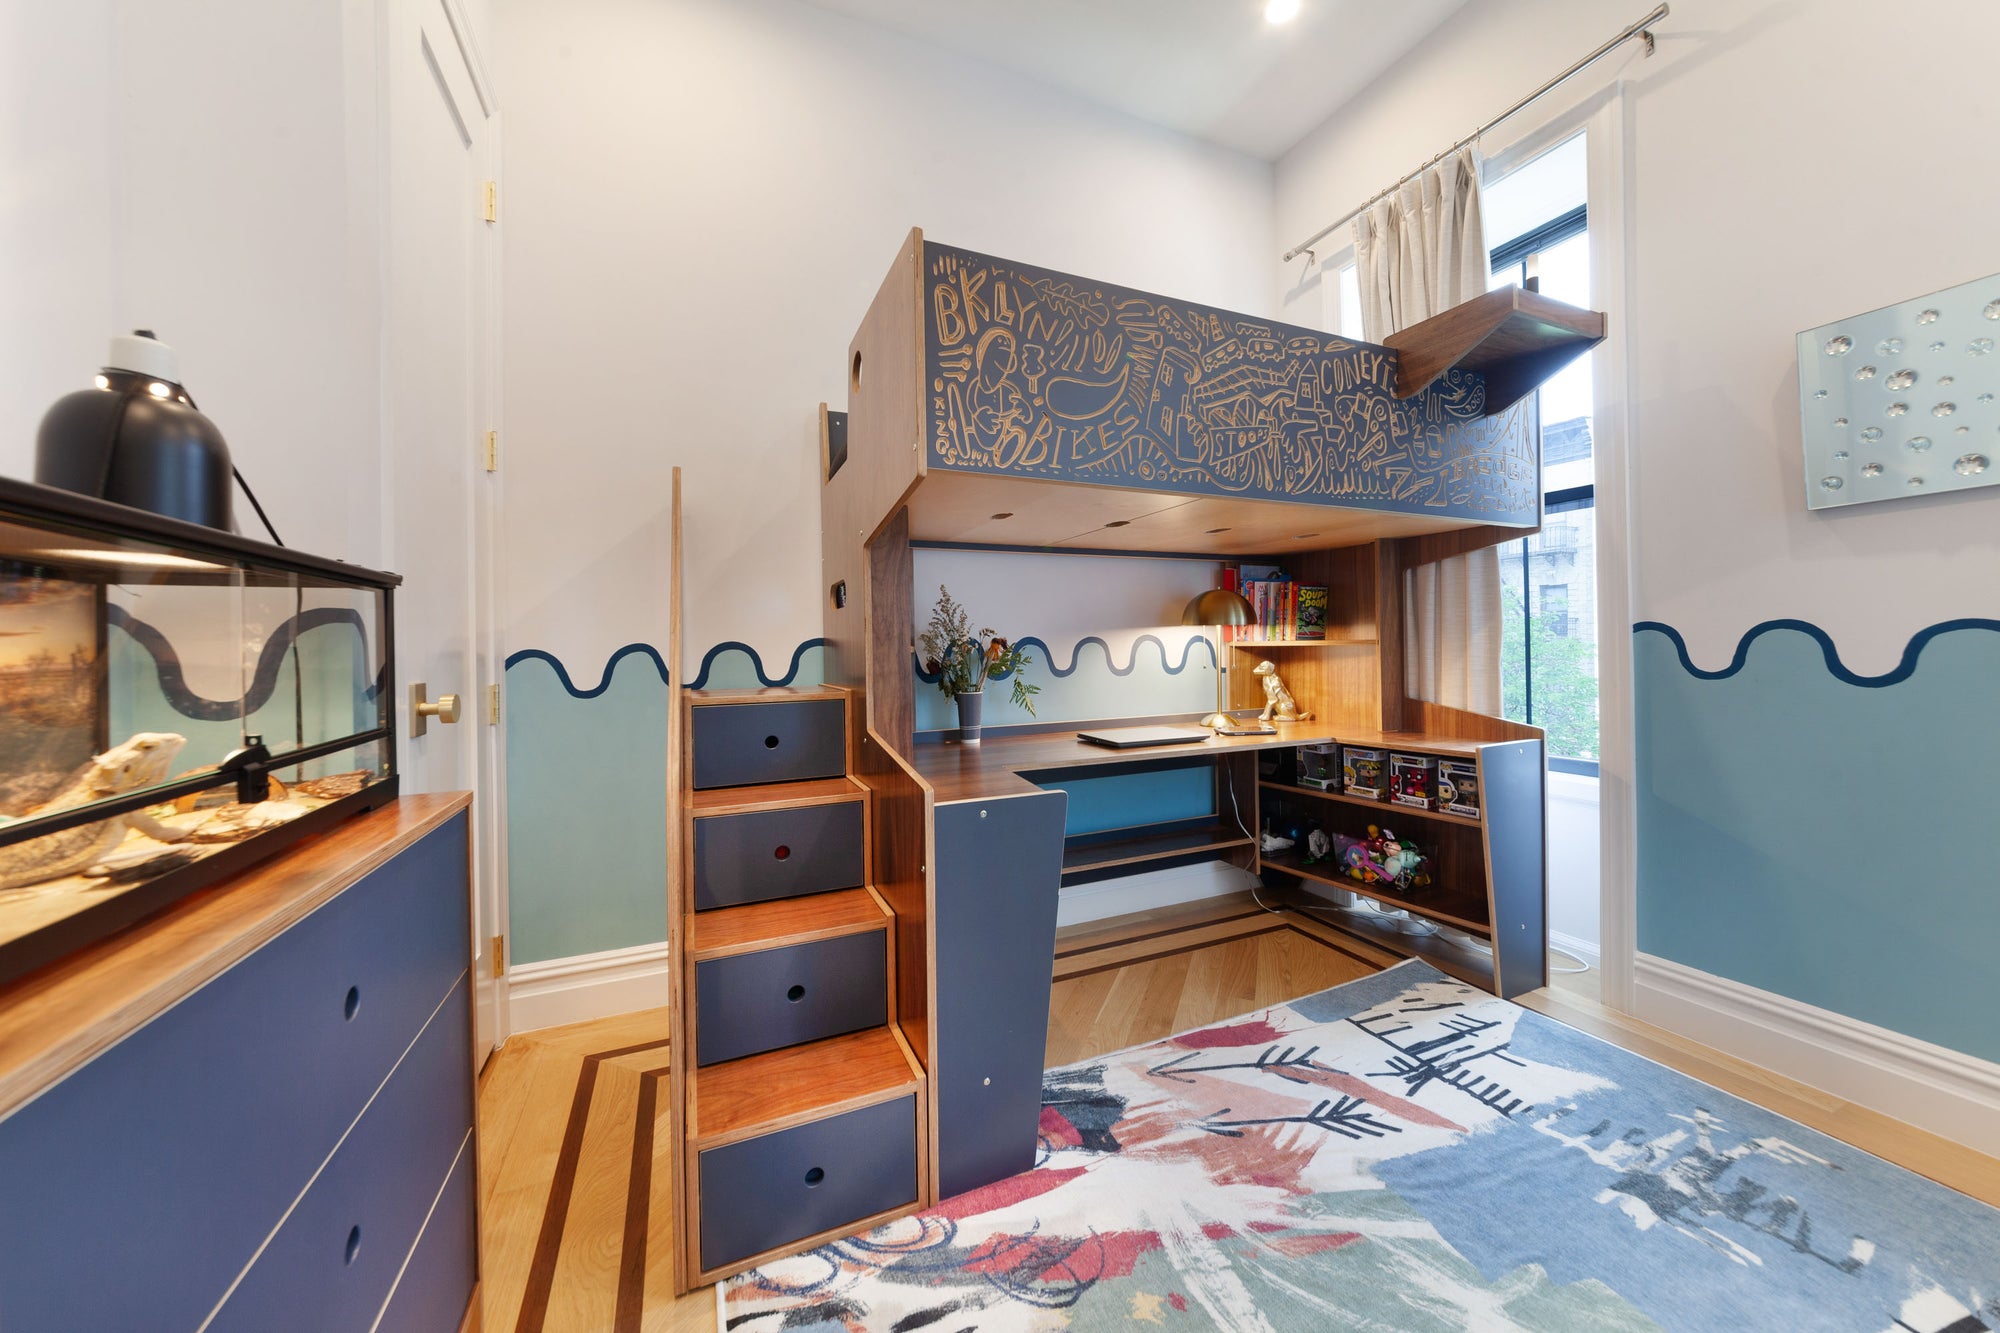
{"points": [[1406, 1153]]}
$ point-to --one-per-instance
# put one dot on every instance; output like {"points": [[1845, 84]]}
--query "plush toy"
{"points": [[1381, 858], [1318, 844]]}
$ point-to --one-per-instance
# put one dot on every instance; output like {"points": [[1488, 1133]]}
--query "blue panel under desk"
{"points": [[133, 1192], [1128, 800], [999, 867]]}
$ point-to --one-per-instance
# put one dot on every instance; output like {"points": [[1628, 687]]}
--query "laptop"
{"points": [[1130, 738]]}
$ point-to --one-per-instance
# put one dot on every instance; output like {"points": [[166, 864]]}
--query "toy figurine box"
{"points": [[1319, 766], [1413, 781], [1364, 772], [1458, 787]]}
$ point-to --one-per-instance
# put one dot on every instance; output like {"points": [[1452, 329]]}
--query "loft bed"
{"points": [[996, 403], [862, 953]]}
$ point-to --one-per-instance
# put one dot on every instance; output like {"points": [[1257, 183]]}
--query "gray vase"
{"points": [[970, 705]]}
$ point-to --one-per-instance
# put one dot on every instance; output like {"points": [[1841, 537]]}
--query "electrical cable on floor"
{"points": [[1457, 937]]}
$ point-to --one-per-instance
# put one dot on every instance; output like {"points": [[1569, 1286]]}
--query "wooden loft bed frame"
{"points": [[997, 403]]}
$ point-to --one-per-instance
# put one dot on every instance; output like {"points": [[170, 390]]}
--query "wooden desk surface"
{"points": [[993, 768], [65, 1015]]}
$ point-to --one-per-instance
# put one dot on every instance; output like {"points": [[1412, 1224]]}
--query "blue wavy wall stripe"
{"points": [[270, 661], [659, 664], [1896, 676], [1049, 657]]}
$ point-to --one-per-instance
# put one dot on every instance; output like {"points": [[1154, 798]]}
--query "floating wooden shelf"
{"points": [[774, 694], [1150, 847], [1426, 906], [785, 921], [1516, 339], [1339, 641], [773, 796], [1388, 808], [763, 1093]]}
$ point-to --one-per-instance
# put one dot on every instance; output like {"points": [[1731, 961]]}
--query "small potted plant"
{"points": [[962, 661]]}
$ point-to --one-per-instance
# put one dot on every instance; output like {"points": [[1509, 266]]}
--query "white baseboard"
{"points": [[1152, 888], [556, 991], [1574, 945], [1944, 1091]]}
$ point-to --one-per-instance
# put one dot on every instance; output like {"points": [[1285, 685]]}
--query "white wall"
{"points": [[700, 199], [1788, 164], [207, 169]]}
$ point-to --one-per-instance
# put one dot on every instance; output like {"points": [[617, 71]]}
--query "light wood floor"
{"points": [[574, 1201]]}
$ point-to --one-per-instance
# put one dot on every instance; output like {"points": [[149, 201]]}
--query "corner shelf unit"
{"points": [[1488, 875]]}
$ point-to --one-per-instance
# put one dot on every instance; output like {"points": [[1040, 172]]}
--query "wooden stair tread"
{"points": [[1515, 339], [721, 931], [762, 1093], [774, 796], [1151, 847]]}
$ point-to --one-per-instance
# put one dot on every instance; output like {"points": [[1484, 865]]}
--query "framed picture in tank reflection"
{"points": [[52, 715]]}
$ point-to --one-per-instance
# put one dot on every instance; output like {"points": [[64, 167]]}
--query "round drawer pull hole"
{"points": [[770, 742], [795, 994], [814, 1176], [353, 1244], [782, 852], [353, 1002]]}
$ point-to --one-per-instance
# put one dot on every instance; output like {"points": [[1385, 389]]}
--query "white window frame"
{"points": [[1602, 115]]}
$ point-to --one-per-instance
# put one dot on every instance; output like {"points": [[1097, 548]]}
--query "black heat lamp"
{"points": [[137, 439]]}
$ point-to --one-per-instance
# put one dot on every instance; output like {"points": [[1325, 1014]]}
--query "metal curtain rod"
{"points": [[1640, 29]]}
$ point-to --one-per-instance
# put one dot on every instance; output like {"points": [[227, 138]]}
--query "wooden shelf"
{"points": [[1473, 969], [1389, 808], [1424, 906], [777, 1089], [722, 931], [1144, 847], [774, 694], [1515, 339], [1337, 642], [774, 796]]}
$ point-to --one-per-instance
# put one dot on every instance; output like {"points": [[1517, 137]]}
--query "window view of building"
{"points": [[1537, 218]]}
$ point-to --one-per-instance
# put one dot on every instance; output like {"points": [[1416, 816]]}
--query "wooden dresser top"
{"points": [[65, 1015]]}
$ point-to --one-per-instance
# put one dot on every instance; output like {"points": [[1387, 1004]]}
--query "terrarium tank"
{"points": [[176, 703]]}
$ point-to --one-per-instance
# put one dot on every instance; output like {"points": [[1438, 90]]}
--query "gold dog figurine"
{"points": [[1279, 706]]}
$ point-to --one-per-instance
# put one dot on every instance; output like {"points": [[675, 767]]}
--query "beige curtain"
{"points": [[1418, 252]]}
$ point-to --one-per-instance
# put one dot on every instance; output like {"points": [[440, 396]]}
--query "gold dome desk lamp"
{"points": [[1217, 607]]}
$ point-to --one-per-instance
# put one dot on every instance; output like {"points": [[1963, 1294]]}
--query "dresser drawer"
{"points": [[780, 997], [736, 745], [172, 1156], [437, 1283], [765, 854], [333, 1262], [780, 1188]]}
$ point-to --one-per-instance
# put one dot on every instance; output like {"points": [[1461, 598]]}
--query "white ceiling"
{"points": [[1211, 68]]}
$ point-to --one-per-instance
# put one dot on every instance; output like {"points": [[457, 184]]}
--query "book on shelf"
{"points": [[1283, 612]]}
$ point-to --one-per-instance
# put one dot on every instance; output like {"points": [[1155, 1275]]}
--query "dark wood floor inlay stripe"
{"points": [[631, 1307], [548, 1242]]}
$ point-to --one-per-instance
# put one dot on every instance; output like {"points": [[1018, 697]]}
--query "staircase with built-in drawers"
{"points": [[800, 1108]]}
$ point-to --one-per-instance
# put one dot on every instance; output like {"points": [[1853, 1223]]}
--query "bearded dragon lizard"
{"points": [[142, 761]]}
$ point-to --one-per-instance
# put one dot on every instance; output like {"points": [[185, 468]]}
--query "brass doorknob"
{"points": [[422, 710]]}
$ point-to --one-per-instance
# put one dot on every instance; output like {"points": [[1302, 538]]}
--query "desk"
{"points": [[1488, 869]]}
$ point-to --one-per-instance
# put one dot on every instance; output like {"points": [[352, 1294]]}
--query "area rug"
{"points": [[1406, 1153]]}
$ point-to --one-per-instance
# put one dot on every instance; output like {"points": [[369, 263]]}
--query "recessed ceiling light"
{"points": [[1280, 11], [1008, 514], [1212, 531], [1118, 523], [1305, 536]]}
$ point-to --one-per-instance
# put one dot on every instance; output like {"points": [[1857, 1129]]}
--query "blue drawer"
{"points": [[751, 1002], [333, 1262], [766, 854], [779, 1188], [436, 1286], [170, 1158], [737, 745]]}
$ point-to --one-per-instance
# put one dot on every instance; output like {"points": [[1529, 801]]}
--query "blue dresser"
{"points": [[255, 1111]]}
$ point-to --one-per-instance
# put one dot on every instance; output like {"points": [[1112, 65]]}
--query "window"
{"points": [[1348, 283], [1549, 581]]}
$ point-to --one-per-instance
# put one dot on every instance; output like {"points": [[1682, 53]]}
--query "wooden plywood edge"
{"points": [[679, 1091]]}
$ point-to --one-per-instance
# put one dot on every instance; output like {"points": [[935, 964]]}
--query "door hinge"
{"points": [[490, 201], [492, 705], [499, 956], [492, 450]]}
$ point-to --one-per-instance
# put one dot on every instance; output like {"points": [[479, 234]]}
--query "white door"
{"points": [[440, 318]]}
